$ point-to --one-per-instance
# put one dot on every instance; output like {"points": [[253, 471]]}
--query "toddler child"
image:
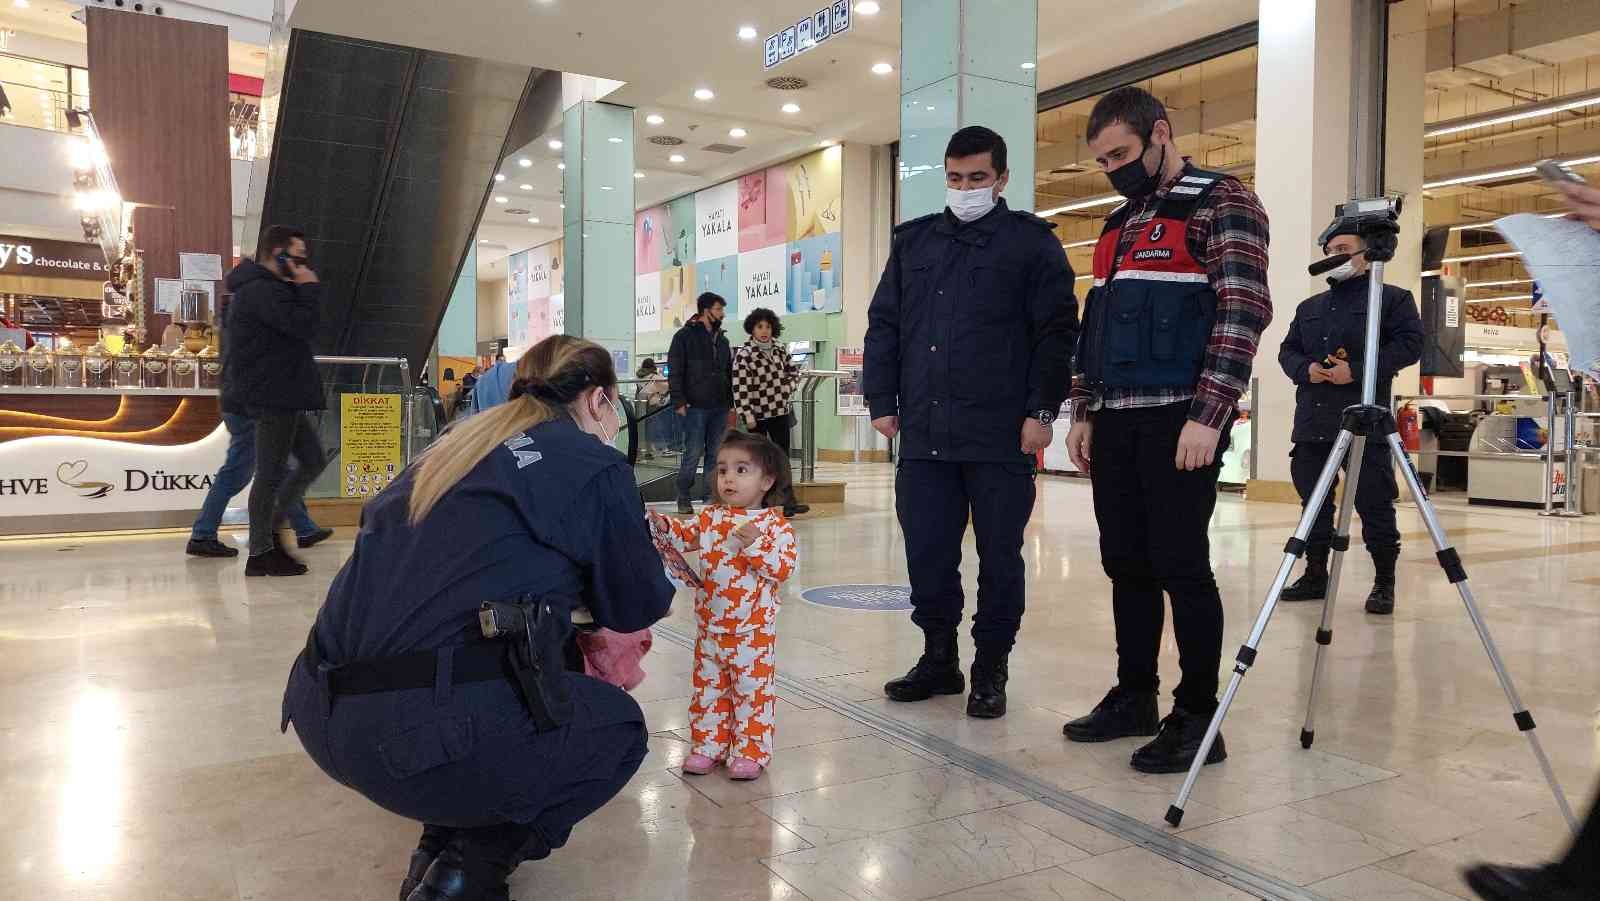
{"points": [[747, 552]]}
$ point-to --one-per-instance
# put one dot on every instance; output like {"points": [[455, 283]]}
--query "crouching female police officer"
{"points": [[399, 694]]}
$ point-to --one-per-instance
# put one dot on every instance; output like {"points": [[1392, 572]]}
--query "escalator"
{"points": [[385, 157]]}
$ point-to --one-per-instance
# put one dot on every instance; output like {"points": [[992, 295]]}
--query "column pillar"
{"points": [[965, 62], [1406, 94], [597, 226], [1303, 89]]}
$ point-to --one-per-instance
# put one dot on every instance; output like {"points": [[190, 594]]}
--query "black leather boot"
{"points": [[1381, 601], [1120, 714], [1508, 883], [474, 866], [1175, 748], [432, 842], [1313, 584], [937, 673], [988, 698]]}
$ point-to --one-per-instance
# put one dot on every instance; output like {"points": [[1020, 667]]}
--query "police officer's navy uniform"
{"points": [[1333, 325], [552, 514], [969, 333]]}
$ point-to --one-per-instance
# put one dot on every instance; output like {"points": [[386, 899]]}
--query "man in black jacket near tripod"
{"points": [[700, 373], [269, 369], [1321, 354]]}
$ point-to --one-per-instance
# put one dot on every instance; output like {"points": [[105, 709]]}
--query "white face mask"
{"points": [[1344, 272], [970, 206]]}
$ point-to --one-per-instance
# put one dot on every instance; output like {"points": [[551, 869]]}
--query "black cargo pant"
{"points": [[1376, 491], [934, 502], [1154, 520], [277, 487]]}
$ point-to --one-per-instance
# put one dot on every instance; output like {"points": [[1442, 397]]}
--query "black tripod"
{"points": [[1377, 222]]}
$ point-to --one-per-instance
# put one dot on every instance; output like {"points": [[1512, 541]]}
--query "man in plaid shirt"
{"points": [[1179, 304]]}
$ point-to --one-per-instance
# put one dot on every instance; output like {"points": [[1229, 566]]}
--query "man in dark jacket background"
{"points": [[268, 368], [700, 373], [968, 350], [1323, 355]]}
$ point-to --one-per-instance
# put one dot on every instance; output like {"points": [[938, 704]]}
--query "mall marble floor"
{"points": [[140, 756]]}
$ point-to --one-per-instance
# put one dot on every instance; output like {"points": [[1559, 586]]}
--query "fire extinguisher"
{"points": [[1410, 426]]}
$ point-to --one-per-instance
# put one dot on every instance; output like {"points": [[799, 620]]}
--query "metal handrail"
{"points": [[810, 380]]}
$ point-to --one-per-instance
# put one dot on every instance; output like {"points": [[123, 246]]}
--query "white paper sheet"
{"points": [[1563, 256]]}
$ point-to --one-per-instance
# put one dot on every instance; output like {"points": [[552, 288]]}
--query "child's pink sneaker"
{"points": [[744, 769], [698, 765]]}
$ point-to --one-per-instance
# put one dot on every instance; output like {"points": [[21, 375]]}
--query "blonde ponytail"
{"points": [[550, 376]]}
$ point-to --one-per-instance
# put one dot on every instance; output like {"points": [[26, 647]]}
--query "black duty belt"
{"points": [[475, 661]]}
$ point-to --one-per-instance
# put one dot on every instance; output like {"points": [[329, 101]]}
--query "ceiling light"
{"points": [[638, 175], [499, 177], [606, 188], [561, 166], [1502, 173], [791, 108], [1087, 242], [704, 94], [827, 143], [1475, 258], [524, 162], [675, 158], [526, 187], [1083, 205], [747, 32], [554, 144], [868, 7], [483, 240], [882, 68], [502, 200], [1500, 299], [737, 133], [1029, 66], [930, 108], [21, 4], [533, 220], [1514, 114], [1504, 281], [654, 119], [614, 140]]}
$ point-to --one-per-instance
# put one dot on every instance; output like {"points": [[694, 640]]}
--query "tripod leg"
{"points": [[1247, 652], [1450, 561], [1341, 543]]}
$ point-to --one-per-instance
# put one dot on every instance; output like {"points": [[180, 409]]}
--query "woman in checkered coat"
{"points": [[764, 379]]}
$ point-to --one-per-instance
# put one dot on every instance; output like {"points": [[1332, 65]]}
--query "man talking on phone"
{"points": [[269, 370]]}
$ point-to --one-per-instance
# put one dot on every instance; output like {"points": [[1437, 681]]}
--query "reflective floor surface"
{"points": [[140, 756]]}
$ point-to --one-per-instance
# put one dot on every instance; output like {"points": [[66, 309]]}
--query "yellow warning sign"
{"points": [[369, 442]]}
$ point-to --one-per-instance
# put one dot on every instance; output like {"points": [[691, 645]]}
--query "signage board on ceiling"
{"points": [[806, 34], [38, 257]]}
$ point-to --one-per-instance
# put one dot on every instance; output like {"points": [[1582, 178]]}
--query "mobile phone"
{"points": [[1554, 172]]}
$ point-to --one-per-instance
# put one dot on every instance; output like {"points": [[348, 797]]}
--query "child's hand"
{"points": [[744, 536]]}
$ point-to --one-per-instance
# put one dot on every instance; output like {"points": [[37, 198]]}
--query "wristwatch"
{"points": [[1045, 417]]}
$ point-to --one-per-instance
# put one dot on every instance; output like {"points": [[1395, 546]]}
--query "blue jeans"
{"points": [[703, 431], [236, 472]]}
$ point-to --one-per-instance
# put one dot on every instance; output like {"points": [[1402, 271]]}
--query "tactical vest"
{"points": [[1150, 313]]}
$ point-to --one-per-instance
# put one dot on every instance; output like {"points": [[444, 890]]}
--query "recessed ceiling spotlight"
{"points": [[21, 4], [868, 7], [499, 176], [606, 188], [675, 158], [791, 108], [502, 200], [526, 187], [533, 220], [614, 140], [738, 133], [828, 143], [638, 175], [882, 68], [1029, 66], [704, 94], [525, 162], [654, 119], [554, 144], [747, 32], [561, 166]]}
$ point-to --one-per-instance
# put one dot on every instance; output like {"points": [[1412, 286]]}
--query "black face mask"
{"points": [[1131, 181]]}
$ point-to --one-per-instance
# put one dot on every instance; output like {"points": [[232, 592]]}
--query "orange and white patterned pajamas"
{"points": [[732, 710]]}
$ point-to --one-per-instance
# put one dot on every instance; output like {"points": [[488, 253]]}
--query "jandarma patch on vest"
{"points": [[1153, 253]]}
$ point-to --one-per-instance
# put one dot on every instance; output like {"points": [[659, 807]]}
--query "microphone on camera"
{"points": [[1329, 264]]}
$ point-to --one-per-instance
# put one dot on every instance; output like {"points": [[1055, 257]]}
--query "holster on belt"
{"points": [[534, 634]]}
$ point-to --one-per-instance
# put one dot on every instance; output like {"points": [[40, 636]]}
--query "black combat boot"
{"points": [[937, 673], [465, 871], [1381, 601], [1120, 714], [1313, 584], [432, 842], [988, 698]]}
